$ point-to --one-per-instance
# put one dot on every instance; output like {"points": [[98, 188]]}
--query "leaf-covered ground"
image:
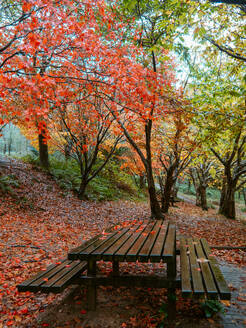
{"points": [[40, 223]]}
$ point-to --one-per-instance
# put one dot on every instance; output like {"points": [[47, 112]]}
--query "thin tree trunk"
{"points": [[223, 193], [198, 197], [244, 195], [43, 151], [141, 182], [82, 189], [203, 195]]}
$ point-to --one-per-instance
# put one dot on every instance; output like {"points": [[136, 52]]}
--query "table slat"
{"points": [[146, 249], [169, 248], [156, 252], [83, 255], [111, 252], [97, 254], [132, 254], [121, 252]]}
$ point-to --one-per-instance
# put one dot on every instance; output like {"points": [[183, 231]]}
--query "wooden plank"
{"points": [[61, 284], [73, 253], [132, 254], [211, 289], [83, 255], [37, 283], [121, 252], [156, 252], [169, 248], [39, 275], [60, 275], [185, 269], [109, 254], [219, 279], [143, 256], [98, 253], [150, 281], [197, 283]]}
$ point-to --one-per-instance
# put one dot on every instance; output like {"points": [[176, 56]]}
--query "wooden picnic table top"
{"points": [[145, 241]]}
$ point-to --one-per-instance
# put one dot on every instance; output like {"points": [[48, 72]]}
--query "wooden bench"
{"points": [[56, 277], [200, 273]]}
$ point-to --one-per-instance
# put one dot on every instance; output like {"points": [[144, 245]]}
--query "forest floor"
{"points": [[40, 223]]}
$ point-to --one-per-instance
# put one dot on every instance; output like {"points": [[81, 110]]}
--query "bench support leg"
{"points": [[92, 289]]}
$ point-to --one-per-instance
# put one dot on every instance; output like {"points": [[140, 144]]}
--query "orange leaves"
{"points": [[26, 6]]}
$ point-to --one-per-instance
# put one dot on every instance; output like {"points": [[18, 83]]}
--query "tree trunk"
{"points": [[198, 197], [43, 151], [82, 189], [223, 193], [244, 195], [203, 195], [227, 202], [167, 193], [154, 204], [141, 182]]}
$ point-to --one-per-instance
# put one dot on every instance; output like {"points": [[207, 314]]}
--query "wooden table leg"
{"points": [[115, 269], [91, 289]]}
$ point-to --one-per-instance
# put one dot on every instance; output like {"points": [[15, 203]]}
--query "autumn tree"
{"points": [[89, 130], [233, 160], [175, 143], [202, 171]]}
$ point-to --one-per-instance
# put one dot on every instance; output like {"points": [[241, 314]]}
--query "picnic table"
{"points": [[148, 242], [151, 241]]}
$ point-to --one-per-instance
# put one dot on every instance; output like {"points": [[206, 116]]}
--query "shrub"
{"points": [[7, 182]]}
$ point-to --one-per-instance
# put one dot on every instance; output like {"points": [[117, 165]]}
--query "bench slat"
{"points": [[185, 269], [49, 274], [156, 252], [195, 269], [225, 293], [206, 272], [38, 275], [60, 274], [55, 278], [59, 282]]}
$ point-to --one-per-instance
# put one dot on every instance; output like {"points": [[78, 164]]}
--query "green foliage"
{"points": [[66, 174], [31, 159], [8, 181], [110, 184], [211, 307], [243, 210], [113, 183]]}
